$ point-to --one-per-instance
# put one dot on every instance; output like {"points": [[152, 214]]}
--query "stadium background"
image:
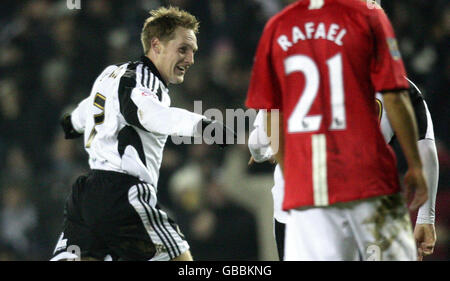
{"points": [[50, 56]]}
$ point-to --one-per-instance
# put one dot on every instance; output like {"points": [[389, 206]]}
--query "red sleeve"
{"points": [[387, 69], [264, 91]]}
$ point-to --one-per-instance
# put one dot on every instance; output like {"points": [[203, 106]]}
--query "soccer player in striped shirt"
{"points": [[320, 63], [113, 210]]}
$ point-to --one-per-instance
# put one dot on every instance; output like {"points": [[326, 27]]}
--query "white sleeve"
{"points": [[429, 134], [258, 141], [385, 125], [428, 154], [159, 118], [78, 116]]}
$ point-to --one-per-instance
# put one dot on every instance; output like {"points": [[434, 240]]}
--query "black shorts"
{"points": [[114, 215], [279, 237]]}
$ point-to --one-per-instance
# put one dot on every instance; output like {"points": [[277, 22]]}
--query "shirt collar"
{"points": [[147, 62]]}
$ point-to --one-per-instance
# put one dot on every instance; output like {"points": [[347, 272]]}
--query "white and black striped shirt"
{"points": [[127, 118]]}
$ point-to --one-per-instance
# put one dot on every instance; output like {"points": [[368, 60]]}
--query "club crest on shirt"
{"points": [[393, 48], [153, 95]]}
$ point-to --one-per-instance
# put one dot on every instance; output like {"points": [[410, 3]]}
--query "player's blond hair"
{"points": [[163, 22]]}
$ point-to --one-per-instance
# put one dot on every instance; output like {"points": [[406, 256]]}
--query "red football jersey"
{"points": [[320, 62]]}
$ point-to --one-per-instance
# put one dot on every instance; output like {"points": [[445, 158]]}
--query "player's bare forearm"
{"points": [[275, 133], [401, 115]]}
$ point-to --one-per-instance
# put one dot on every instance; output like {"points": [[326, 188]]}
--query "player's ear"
{"points": [[155, 45]]}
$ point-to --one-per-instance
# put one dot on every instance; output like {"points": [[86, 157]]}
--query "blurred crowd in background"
{"points": [[50, 56]]}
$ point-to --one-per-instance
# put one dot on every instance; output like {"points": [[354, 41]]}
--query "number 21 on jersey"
{"points": [[299, 121]]}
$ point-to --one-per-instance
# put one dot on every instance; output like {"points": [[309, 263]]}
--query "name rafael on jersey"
{"points": [[332, 33]]}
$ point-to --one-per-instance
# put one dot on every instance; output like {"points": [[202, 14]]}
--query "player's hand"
{"points": [[416, 186], [272, 160], [425, 236], [69, 131], [226, 132]]}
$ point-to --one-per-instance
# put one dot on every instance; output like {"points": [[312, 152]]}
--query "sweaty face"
{"points": [[177, 55]]}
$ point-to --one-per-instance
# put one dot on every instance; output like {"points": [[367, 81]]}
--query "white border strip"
{"points": [[319, 157]]}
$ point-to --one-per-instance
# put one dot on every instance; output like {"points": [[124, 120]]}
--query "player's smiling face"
{"points": [[177, 55]]}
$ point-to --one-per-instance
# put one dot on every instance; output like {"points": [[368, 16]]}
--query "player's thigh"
{"points": [[76, 242], [321, 234], [382, 228], [77, 239], [147, 233]]}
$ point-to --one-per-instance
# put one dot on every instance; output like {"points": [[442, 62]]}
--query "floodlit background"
{"points": [[50, 56]]}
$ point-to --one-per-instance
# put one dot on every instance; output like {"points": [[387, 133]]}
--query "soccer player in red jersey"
{"points": [[320, 63]]}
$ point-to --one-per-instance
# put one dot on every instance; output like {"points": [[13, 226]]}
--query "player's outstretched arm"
{"points": [[400, 113], [221, 134]]}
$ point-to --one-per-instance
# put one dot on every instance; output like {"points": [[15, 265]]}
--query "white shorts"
{"points": [[372, 229]]}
